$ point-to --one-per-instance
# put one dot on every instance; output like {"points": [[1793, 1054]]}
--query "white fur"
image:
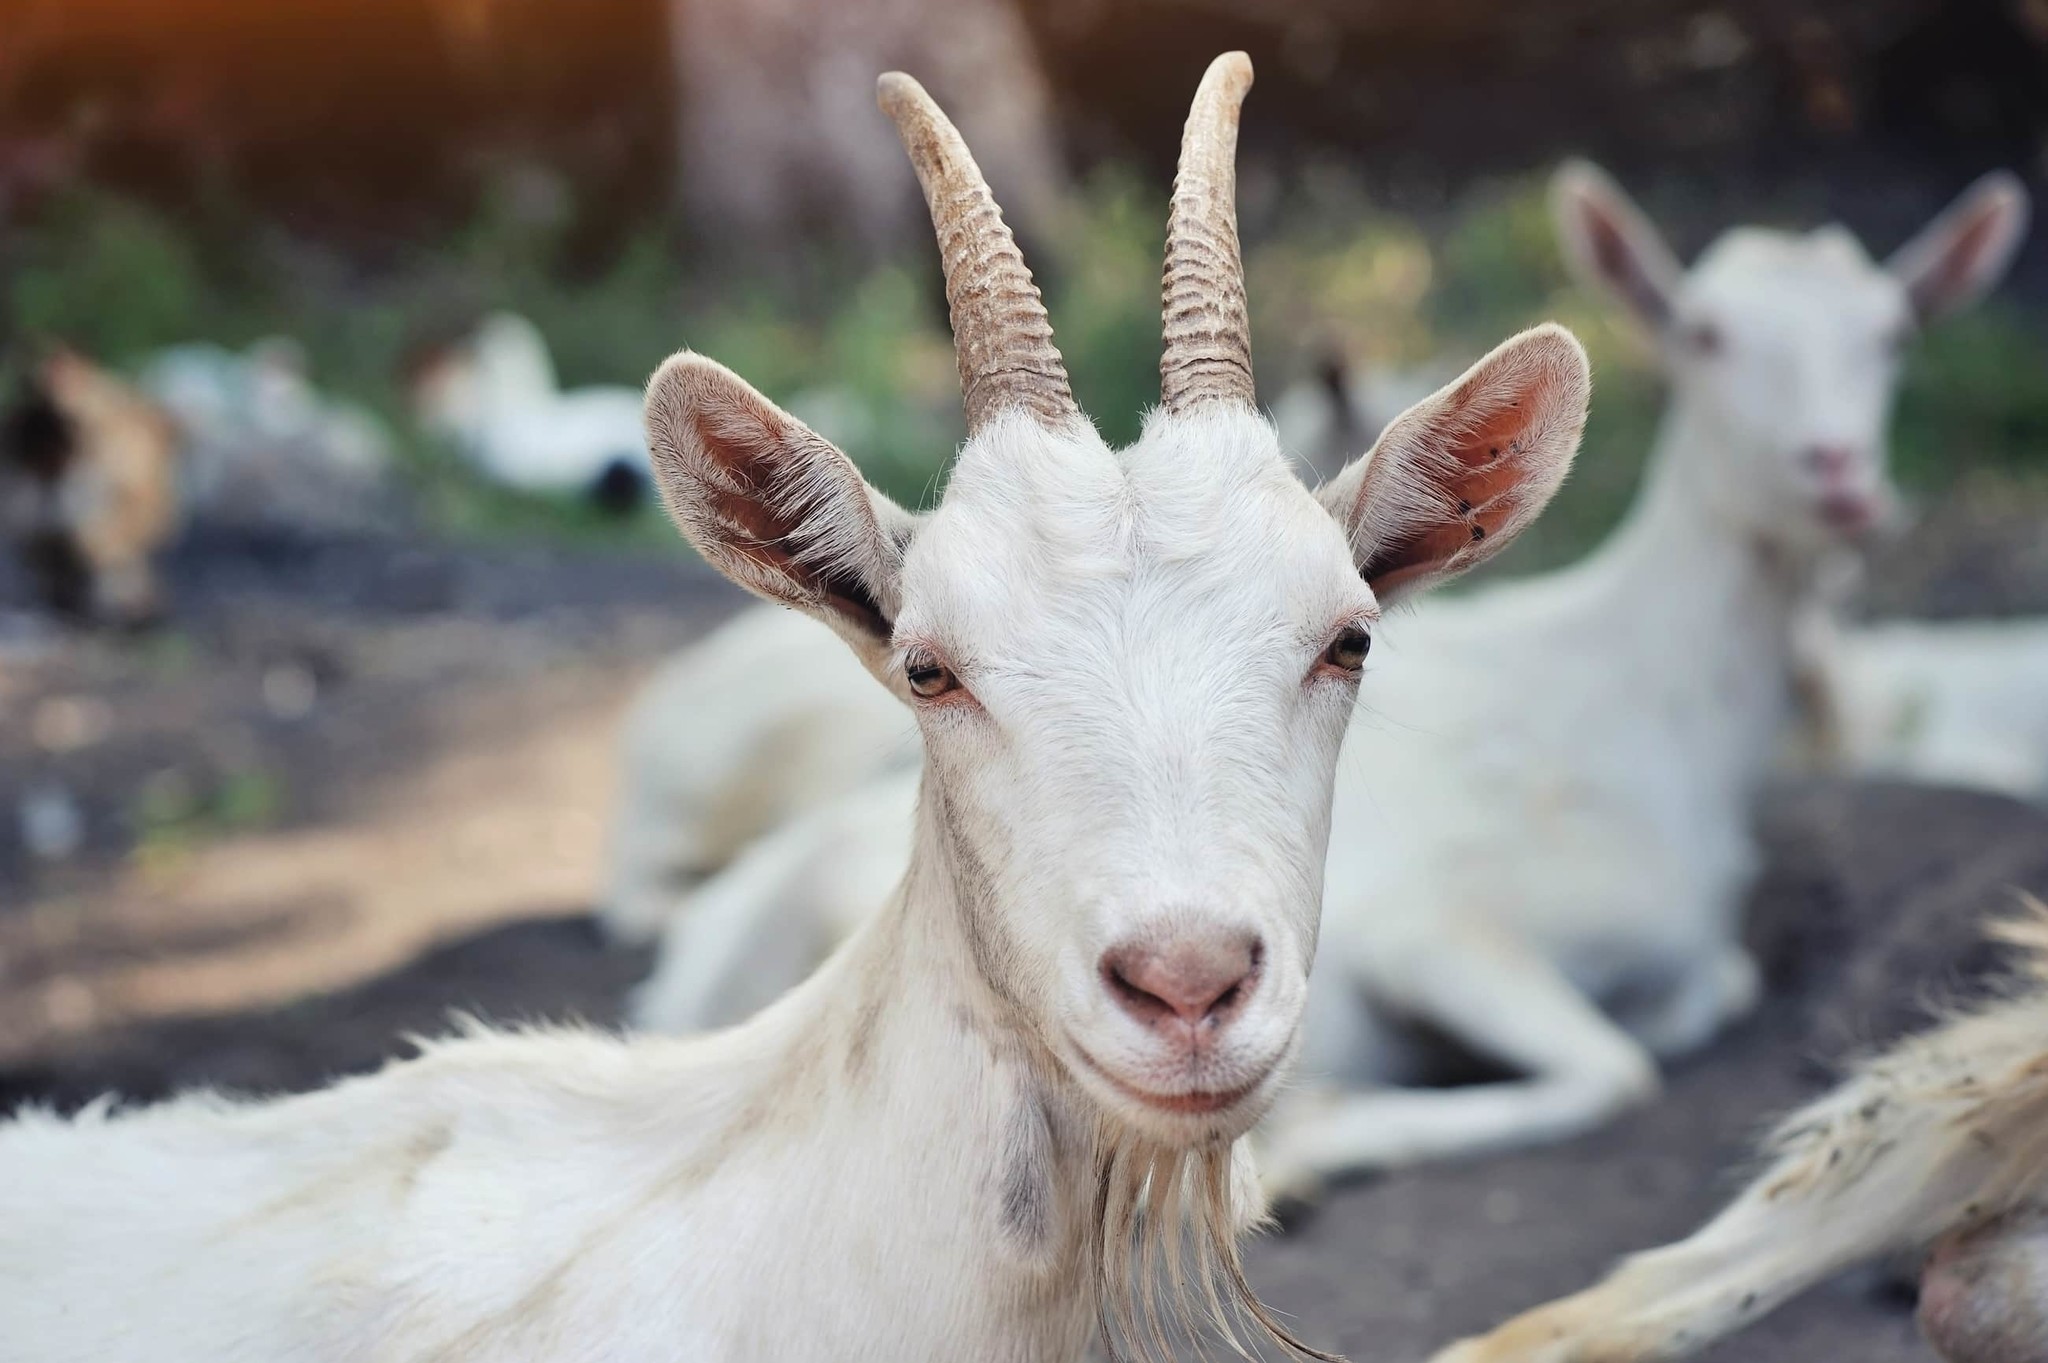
{"points": [[764, 717], [1961, 703]]}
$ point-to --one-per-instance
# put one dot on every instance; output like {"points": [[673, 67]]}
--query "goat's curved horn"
{"points": [[1001, 335], [1208, 354]]}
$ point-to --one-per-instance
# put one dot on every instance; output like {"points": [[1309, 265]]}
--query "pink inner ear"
{"points": [[761, 508], [1955, 266], [1616, 259], [1481, 495]]}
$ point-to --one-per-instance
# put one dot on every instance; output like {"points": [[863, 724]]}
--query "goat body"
{"points": [[1960, 703], [568, 1197], [763, 718]]}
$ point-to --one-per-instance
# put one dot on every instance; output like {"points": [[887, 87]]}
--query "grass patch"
{"points": [[864, 355]]}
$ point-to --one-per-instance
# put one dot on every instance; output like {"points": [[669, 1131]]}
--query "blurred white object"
{"points": [[494, 397], [51, 825], [263, 446], [1328, 420], [1961, 703], [751, 932], [767, 716]]}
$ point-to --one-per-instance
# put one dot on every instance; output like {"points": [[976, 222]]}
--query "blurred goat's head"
{"points": [[1783, 348], [1132, 668]]}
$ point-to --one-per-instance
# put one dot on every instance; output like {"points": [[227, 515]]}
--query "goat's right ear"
{"points": [[774, 505], [1456, 477], [1611, 246]]}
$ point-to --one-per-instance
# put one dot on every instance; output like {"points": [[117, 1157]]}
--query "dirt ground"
{"points": [[340, 755]]}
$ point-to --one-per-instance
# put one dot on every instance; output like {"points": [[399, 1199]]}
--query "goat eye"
{"points": [[1347, 651], [928, 677]]}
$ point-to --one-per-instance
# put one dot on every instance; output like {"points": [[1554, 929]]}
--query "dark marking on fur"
{"points": [[1027, 1173]]}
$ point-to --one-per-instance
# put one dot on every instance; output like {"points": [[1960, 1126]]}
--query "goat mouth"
{"points": [[1849, 513], [1190, 1103]]}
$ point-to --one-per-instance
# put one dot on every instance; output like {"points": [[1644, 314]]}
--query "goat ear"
{"points": [[1457, 476], [1957, 258], [1610, 245], [774, 505]]}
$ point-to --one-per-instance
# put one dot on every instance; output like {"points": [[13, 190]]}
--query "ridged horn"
{"points": [[1001, 335], [1208, 350]]}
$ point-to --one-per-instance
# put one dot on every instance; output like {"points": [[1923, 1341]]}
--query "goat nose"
{"points": [[1186, 981], [1830, 459]]}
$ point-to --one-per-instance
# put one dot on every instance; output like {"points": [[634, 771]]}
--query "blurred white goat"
{"points": [[1941, 1140], [495, 398], [1953, 702], [262, 446], [762, 719], [972, 1133], [1544, 861]]}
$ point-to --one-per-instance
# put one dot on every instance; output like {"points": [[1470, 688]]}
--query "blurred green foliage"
{"points": [[864, 354]]}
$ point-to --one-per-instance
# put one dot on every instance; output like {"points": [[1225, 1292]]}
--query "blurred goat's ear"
{"points": [[1610, 245], [1455, 478], [774, 505], [1957, 258]]}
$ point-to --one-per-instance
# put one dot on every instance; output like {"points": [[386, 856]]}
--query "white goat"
{"points": [[1132, 672], [1941, 1140], [1543, 861], [758, 721], [495, 398], [1954, 702]]}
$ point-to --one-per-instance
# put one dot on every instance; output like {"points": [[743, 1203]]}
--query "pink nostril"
{"points": [[1191, 980]]}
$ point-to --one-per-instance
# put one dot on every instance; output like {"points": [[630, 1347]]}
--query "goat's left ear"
{"points": [[1457, 476], [774, 505], [1957, 258]]}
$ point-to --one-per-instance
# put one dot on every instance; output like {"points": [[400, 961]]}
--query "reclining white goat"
{"points": [[1542, 833], [1132, 671], [1942, 1140], [1544, 861], [1953, 702]]}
